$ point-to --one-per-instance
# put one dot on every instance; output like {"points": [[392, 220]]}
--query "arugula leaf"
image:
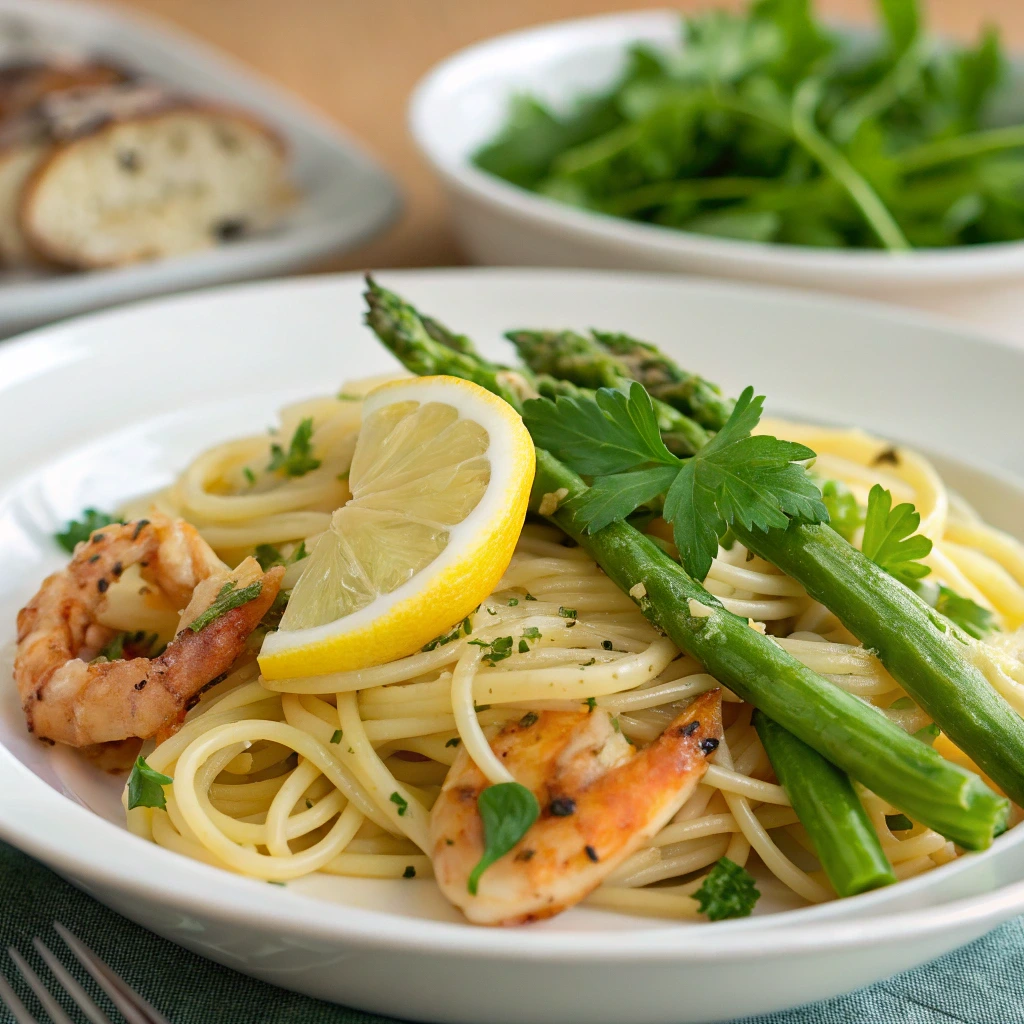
{"points": [[507, 811], [967, 614], [226, 600], [845, 516], [146, 786], [728, 891], [741, 478], [615, 497], [890, 540], [608, 433], [298, 460], [78, 530]]}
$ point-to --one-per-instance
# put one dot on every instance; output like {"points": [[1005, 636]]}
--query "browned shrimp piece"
{"points": [[70, 698], [600, 801]]}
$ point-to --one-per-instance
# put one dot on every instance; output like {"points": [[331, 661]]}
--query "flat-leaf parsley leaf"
{"points": [[298, 460], [889, 538], [146, 786], [507, 811]]}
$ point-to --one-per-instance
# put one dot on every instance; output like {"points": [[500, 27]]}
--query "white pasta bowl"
{"points": [[463, 102], [197, 369]]}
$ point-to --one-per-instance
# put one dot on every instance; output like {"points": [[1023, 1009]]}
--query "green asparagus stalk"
{"points": [[665, 380], [923, 651], [828, 807], [850, 734], [567, 356], [929, 656]]}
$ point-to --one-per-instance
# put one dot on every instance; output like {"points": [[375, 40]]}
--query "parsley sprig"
{"points": [[891, 542], [298, 459], [728, 891], [614, 437], [268, 555], [77, 530]]}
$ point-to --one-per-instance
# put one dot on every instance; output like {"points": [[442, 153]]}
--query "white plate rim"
{"points": [[229, 897]]}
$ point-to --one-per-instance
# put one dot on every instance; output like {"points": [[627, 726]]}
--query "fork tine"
{"points": [[78, 994], [10, 999], [50, 1005], [135, 1009]]}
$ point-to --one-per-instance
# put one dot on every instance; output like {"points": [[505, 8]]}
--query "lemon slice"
{"points": [[440, 481]]}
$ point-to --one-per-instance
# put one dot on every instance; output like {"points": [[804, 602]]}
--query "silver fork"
{"points": [[133, 1007]]}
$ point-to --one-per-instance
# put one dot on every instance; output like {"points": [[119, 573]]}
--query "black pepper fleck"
{"points": [[139, 527], [102, 585], [97, 537], [563, 806], [709, 744], [230, 229], [890, 456], [118, 569], [141, 684], [689, 730], [128, 160], [591, 853]]}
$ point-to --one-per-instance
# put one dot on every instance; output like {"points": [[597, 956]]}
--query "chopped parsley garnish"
{"points": [[513, 601], [453, 742], [274, 881], [898, 822], [400, 802], [249, 474], [497, 649], [616, 725], [524, 647], [298, 460], [77, 530], [309, 804], [481, 707], [464, 628], [530, 597], [845, 516], [587, 664], [567, 613], [226, 600], [728, 891], [409, 872], [507, 811], [336, 736], [146, 786], [755, 480], [531, 633], [139, 644], [530, 718], [268, 556], [591, 704], [607, 645]]}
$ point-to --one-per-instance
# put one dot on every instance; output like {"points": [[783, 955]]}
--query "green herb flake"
{"points": [[268, 556], [77, 530], [464, 628], [409, 872], [591, 704], [507, 811], [513, 601], [336, 736], [728, 891], [228, 599], [531, 633], [587, 664], [524, 647], [607, 645], [274, 881], [400, 802], [146, 786], [616, 725], [530, 718], [567, 613], [298, 459], [453, 742], [529, 597], [249, 475], [309, 804], [481, 707]]}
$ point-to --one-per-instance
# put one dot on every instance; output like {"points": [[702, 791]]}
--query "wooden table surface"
{"points": [[358, 60]]}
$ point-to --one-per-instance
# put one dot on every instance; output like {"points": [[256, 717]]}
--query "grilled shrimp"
{"points": [[70, 698], [600, 801]]}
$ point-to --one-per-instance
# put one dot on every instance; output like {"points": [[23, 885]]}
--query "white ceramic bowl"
{"points": [[110, 406], [463, 102]]}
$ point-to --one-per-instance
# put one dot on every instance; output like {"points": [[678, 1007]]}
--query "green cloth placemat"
{"points": [[980, 984]]}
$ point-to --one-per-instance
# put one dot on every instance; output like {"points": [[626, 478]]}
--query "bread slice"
{"points": [[159, 177], [24, 84]]}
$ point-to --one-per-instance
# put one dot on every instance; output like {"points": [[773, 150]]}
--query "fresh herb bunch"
{"points": [[770, 127]]}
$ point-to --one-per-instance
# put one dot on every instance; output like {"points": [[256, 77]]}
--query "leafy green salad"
{"points": [[770, 126]]}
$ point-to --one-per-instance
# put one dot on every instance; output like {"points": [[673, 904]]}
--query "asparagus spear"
{"points": [[922, 650], [567, 356], [665, 380], [850, 734], [827, 806]]}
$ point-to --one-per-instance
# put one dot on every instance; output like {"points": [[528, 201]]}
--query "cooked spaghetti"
{"points": [[337, 773]]}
